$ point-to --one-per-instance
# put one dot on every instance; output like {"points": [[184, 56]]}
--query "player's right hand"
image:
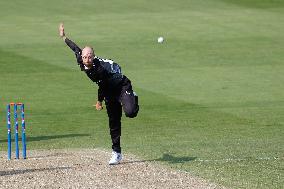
{"points": [[61, 30]]}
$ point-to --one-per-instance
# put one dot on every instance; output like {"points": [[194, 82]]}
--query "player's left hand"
{"points": [[99, 105]]}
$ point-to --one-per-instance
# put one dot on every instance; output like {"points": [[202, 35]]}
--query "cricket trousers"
{"points": [[124, 99]]}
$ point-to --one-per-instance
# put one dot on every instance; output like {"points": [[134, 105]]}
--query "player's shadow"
{"points": [[23, 171], [172, 159], [39, 138], [166, 158]]}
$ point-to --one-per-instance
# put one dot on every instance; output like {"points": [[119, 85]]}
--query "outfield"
{"points": [[211, 95]]}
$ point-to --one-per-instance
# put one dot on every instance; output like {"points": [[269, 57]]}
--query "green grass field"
{"points": [[212, 96]]}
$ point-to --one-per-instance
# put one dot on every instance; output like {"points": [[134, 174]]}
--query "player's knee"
{"points": [[131, 112], [131, 115]]}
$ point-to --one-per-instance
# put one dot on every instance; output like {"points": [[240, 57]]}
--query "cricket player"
{"points": [[114, 88]]}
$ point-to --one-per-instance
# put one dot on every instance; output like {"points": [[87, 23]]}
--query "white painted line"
{"points": [[237, 159]]}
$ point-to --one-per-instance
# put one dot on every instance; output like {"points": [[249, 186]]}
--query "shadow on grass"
{"points": [[16, 172], [172, 159], [39, 138], [165, 158]]}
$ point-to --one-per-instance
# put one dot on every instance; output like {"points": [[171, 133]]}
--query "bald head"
{"points": [[87, 50], [88, 56]]}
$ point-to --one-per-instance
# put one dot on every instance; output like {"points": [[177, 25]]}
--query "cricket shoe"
{"points": [[115, 159]]}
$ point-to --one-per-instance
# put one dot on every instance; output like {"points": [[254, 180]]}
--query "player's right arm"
{"points": [[71, 45]]}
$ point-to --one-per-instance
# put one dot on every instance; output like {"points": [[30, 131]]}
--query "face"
{"points": [[87, 56]]}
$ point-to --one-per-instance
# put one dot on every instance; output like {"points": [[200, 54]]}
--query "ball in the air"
{"points": [[160, 39]]}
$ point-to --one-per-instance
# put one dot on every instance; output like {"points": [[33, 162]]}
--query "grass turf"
{"points": [[211, 96]]}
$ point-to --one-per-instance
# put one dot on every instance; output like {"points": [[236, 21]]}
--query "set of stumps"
{"points": [[10, 106]]}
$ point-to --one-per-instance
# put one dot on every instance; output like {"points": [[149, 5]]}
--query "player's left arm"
{"points": [[99, 104]]}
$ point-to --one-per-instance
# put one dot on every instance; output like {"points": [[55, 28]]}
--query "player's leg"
{"points": [[114, 112], [129, 100]]}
